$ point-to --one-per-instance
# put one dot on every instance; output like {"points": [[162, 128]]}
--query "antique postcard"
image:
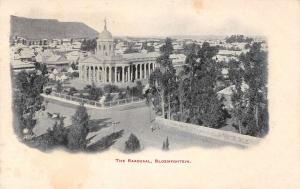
{"points": [[150, 94]]}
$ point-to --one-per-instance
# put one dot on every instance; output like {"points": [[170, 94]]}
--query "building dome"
{"points": [[105, 34]]}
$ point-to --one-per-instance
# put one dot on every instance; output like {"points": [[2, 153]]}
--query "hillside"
{"points": [[49, 29]]}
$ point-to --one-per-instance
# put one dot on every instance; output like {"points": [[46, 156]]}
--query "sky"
{"points": [[156, 17]]}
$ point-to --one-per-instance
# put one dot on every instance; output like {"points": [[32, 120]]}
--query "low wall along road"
{"points": [[225, 136]]}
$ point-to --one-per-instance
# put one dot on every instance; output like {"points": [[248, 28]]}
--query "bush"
{"points": [[132, 144], [76, 137], [121, 95], [108, 98], [72, 91], [75, 74], [111, 88], [63, 70], [58, 134], [48, 91], [166, 144], [59, 87]]}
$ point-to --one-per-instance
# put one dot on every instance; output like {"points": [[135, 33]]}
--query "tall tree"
{"points": [[27, 99], [238, 98], [79, 130], [163, 79], [255, 65], [204, 105]]}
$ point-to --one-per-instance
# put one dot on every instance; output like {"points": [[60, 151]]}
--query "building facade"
{"points": [[107, 67]]}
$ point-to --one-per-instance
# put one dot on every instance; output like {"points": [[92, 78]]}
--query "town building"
{"points": [[105, 66]]}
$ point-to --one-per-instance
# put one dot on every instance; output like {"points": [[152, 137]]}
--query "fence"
{"points": [[96, 103], [227, 136]]}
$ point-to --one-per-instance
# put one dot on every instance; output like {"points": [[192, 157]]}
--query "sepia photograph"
{"points": [[112, 92], [86, 90]]}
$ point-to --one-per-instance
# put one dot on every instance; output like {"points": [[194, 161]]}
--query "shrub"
{"points": [[111, 88], [58, 133], [132, 144], [72, 91], [48, 90], [166, 144], [75, 74]]}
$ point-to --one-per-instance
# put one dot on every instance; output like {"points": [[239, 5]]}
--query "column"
{"points": [[140, 76], [130, 75], [82, 72], [135, 72], [145, 70], [104, 74], [95, 72], [86, 73], [109, 74], [90, 73], [126, 73], [115, 74], [123, 74], [149, 71]]}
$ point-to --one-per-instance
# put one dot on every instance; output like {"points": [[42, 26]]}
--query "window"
{"points": [[103, 47], [99, 47]]}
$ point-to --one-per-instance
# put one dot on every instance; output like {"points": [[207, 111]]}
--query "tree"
{"points": [[94, 92], [255, 76], [78, 131], [162, 80], [132, 144], [74, 66], [109, 88], [27, 99], [139, 88], [58, 133], [166, 144], [88, 45], [72, 91], [130, 49], [238, 98], [59, 87], [202, 72]]}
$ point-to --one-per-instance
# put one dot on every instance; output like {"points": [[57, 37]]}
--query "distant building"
{"points": [[58, 62], [107, 67], [18, 65]]}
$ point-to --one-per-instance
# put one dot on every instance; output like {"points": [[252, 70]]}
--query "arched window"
{"points": [[103, 47]]}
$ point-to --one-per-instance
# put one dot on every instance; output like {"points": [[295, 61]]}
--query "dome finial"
{"points": [[105, 24]]}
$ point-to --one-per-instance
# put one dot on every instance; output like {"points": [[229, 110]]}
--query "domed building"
{"points": [[107, 67]]}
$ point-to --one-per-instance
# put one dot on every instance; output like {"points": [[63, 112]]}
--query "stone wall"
{"points": [[217, 134]]}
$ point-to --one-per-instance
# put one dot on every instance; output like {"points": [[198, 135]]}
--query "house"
{"points": [[58, 62], [18, 65], [227, 93]]}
